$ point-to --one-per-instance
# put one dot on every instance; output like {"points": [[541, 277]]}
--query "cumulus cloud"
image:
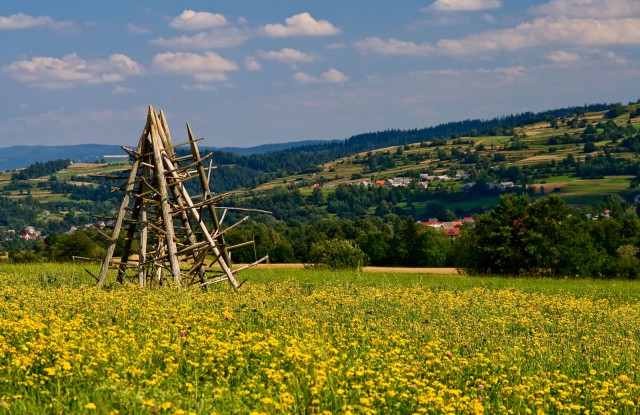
{"points": [[393, 47], [191, 20], [488, 18], [287, 55], [252, 64], [303, 78], [137, 30], [334, 76], [208, 67], [216, 38], [199, 87], [590, 8], [301, 25], [121, 90], [563, 57], [71, 70], [22, 21], [548, 30], [331, 76], [617, 59], [463, 5], [337, 45]]}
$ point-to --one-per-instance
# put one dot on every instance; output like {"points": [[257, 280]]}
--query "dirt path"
{"points": [[403, 270]]}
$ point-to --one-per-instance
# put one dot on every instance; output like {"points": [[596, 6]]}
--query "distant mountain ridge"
{"points": [[294, 155], [17, 157], [268, 148]]}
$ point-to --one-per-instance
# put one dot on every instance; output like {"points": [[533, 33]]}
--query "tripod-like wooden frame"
{"points": [[157, 210]]}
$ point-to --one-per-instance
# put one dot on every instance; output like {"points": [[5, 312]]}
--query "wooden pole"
{"points": [[223, 263], [204, 183], [125, 203], [164, 205]]}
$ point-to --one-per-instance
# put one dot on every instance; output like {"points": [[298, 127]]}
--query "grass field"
{"points": [[311, 341]]}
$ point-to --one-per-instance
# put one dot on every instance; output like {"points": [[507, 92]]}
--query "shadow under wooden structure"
{"points": [[169, 224]]}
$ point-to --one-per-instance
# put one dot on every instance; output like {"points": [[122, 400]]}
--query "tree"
{"points": [[556, 240], [431, 250], [316, 197], [64, 247], [546, 237], [496, 243]]}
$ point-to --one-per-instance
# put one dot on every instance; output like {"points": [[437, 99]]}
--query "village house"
{"points": [[451, 228], [452, 233], [430, 178], [30, 233], [400, 181]]}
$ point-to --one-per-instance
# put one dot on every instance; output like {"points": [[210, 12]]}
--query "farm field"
{"points": [[312, 341]]}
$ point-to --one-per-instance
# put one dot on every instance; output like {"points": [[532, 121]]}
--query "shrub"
{"points": [[337, 254]]}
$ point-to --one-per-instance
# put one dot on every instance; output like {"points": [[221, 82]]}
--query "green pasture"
{"points": [[56, 275], [90, 169], [608, 185]]}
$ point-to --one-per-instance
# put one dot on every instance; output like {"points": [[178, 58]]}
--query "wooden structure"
{"points": [[168, 223]]}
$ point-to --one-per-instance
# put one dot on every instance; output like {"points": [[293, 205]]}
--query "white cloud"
{"points": [[463, 5], [208, 67], [21, 21], [590, 8], [252, 64], [337, 45], [217, 38], [488, 18], [190, 20], [71, 70], [61, 117], [563, 57], [303, 78], [287, 55], [199, 87], [548, 31], [511, 71], [331, 76], [301, 25], [393, 47], [123, 90], [137, 30], [617, 59], [334, 76]]}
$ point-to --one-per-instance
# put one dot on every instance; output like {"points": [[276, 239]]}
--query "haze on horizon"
{"points": [[243, 74]]}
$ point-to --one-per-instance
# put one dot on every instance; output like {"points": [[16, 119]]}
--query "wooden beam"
{"points": [[125, 202], [164, 205]]}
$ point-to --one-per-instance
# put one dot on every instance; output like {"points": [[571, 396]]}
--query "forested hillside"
{"points": [[235, 171], [535, 186]]}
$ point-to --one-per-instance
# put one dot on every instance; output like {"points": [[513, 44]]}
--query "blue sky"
{"points": [[249, 72]]}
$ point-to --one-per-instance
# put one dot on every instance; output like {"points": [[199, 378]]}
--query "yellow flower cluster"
{"points": [[328, 348]]}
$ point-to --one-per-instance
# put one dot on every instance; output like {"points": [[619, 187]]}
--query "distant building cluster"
{"points": [[451, 228], [29, 233], [423, 182], [499, 185]]}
